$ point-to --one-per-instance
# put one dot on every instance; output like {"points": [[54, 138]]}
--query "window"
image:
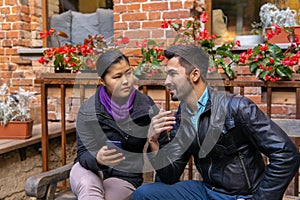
{"points": [[238, 15]]}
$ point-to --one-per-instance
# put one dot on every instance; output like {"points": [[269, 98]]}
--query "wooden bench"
{"points": [[44, 185]]}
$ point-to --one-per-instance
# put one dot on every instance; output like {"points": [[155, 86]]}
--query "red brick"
{"points": [[170, 34], [4, 59], [2, 81], [11, 2], [116, 17], [11, 51], [25, 9], [134, 25], [2, 51], [134, 17], [16, 10], [188, 4], [13, 18], [12, 34], [278, 109], [2, 35], [120, 26], [263, 108], [132, 52], [141, 34], [6, 26], [118, 34], [175, 5], [134, 8], [120, 9], [151, 24], [18, 74], [176, 14], [154, 15], [23, 42], [158, 33], [5, 11], [255, 98], [246, 78], [155, 6], [27, 19], [51, 116], [7, 67], [5, 74], [133, 1], [19, 60], [33, 27]]}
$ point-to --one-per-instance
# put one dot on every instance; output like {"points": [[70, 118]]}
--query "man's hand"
{"points": [[109, 157], [159, 123]]}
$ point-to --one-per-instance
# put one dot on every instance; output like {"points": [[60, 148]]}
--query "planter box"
{"points": [[16, 130], [283, 36]]}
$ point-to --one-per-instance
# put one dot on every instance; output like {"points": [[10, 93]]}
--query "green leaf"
{"points": [[151, 42], [253, 67], [188, 24]]}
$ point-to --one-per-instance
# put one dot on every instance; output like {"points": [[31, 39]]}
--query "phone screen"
{"points": [[113, 144]]}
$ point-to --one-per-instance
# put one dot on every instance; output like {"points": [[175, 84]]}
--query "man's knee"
{"points": [[142, 193]]}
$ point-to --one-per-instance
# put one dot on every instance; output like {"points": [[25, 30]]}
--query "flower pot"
{"points": [[282, 37], [16, 130], [246, 40]]}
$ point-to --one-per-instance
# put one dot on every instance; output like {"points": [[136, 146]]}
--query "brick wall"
{"points": [[20, 23], [141, 19]]}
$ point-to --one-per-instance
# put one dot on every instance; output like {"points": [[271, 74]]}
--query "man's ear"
{"points": [[195, 75]]}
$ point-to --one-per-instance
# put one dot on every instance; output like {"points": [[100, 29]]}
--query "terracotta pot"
{"points": [[16, 130], [283, 36]]}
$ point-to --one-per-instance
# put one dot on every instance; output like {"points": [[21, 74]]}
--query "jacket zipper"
{"points": [[244, 169], [210, 167]]}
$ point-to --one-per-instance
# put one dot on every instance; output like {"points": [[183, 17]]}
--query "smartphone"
{"points": [[114, 144]]}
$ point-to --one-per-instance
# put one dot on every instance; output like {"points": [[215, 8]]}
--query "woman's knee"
{"points": [[84, 181]]}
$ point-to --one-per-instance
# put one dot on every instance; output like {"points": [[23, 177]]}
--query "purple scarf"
{"points": [[118, 112]]}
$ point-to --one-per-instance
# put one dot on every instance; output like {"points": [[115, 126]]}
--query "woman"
{"points": [[117, 112]]}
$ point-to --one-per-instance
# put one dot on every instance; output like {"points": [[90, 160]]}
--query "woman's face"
{"points": [[118, 80]]}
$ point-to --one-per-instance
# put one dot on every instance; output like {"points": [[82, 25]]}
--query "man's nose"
{"points": [[167, 81]]}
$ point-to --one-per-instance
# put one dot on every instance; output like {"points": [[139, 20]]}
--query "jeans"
{"points": [[183, 190]]}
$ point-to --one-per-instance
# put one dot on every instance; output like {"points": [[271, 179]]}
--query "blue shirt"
{"points": [[202, 101]]}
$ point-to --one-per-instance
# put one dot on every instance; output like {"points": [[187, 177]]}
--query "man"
{"points": [[225, 133]]}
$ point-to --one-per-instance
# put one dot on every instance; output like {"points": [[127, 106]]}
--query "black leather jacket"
{"points": [[94, 126], [232, 134]]}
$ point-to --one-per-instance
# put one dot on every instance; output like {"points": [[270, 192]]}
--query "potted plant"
{"points": [[74, 58], [267, 62], [193, 33], [271, 16], [15, 119], [150, 65]]}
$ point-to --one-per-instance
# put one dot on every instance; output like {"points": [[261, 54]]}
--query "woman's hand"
{"points": [[159, 123], [109, 157]]}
